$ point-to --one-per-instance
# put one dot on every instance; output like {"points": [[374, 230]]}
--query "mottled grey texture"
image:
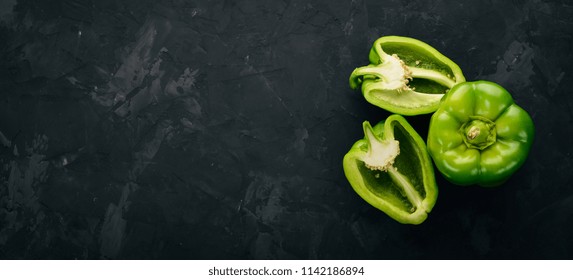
{"points": [[216, 130]]}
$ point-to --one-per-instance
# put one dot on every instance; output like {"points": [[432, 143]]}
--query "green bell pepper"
{"points": [[406, 76], [391, 170], [479, 135]]}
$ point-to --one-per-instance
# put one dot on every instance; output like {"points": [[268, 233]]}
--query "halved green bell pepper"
{"points": [[479, 135], [391, 169], [406, 76]]}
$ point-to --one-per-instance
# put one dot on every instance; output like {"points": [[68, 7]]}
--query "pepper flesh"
{"points": [[391, 170], [479, 135], [405, 76]]}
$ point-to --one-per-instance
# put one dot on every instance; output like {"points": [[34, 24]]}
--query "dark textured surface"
{"points": [[216, 129]]}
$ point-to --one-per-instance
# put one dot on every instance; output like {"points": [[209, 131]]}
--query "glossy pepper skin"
{"points": [[405, 76], [479, 135], [391, 170]]}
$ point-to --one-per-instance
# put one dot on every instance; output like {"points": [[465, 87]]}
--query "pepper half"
{"points": [[391, 170], [406, 76], [479, 135]]}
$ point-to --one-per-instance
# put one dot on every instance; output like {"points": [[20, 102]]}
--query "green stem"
{"points": [[372, 70], [380, 52], [478, 132]]}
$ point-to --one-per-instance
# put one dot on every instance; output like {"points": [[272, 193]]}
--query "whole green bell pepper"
{"points": [[479, 135], [406, 76], [391, 169]]}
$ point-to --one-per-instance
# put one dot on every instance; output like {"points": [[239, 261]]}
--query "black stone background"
{"points": [[216, 129]]}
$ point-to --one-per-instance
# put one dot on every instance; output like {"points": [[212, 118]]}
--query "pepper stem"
{"points": [[392, 74], [478, 132], [381, 152], [473, 132]]}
